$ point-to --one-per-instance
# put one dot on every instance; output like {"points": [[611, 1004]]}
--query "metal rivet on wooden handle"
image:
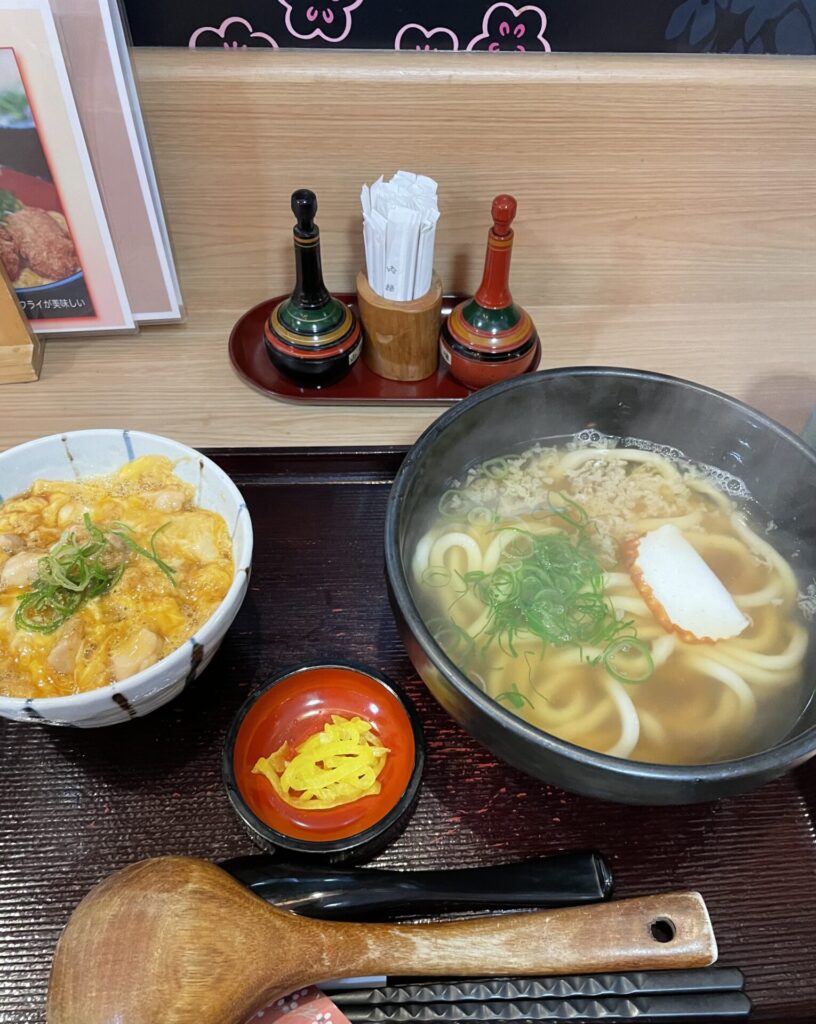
{"points": [[177, 941]]}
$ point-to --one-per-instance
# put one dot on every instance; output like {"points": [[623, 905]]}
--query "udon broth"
{"points": [[525, 578]]}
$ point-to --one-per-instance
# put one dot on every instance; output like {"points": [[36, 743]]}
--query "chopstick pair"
{"points": [[690, 1006], [703, 994]]}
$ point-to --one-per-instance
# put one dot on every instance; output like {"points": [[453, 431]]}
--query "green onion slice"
{"points": [[479, 515], [628, 660], [496, 469], [436, 576], [571, 512], [452, 504]]}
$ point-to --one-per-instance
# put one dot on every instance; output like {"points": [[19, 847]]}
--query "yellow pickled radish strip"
{"points": [[335, 766]]}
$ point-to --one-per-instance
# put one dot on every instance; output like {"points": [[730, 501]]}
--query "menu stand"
{"points": [[21, 351]]}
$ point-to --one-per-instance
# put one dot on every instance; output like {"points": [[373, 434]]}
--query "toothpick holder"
{"points": [[400, 339]]}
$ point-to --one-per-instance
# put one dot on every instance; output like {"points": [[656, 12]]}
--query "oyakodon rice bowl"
{"points": [[608, 577], [140, 551]]}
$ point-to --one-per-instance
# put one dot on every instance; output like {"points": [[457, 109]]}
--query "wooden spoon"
{"points": [[177, 941]]}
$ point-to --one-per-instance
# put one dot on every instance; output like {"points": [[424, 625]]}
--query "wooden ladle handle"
{"points": [[177, 941], [650, 932]]}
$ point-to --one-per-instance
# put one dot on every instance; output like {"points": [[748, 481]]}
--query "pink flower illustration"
{"points": [[232, 34], [328, 19], [415, 37], [505, 27]]}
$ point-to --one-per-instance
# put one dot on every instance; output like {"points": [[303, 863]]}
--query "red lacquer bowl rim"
{"points": [[270, 818]]}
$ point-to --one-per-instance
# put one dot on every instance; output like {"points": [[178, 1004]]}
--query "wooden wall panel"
{"points": [[667, 219]]}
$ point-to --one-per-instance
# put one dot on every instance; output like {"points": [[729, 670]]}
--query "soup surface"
{"points": [[619, 598], [101, 578]]}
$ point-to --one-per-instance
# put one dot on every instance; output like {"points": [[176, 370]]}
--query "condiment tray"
{"points": [[360, 386]]}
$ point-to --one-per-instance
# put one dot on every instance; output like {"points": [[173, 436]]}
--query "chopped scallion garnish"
{"points": [[76, 571], [548, 587]]}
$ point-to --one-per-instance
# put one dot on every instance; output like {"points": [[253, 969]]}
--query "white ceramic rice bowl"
{"points": [[85, 453]]}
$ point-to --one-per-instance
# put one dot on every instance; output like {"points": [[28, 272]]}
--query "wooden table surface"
{"points": [[667, 220], [78, 804]]}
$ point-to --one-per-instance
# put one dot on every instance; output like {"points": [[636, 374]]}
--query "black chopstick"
{"points": [[702, 980], [704, 1006]]}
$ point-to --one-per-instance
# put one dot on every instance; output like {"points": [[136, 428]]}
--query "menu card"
{"points": [[96, 53], [55, 243]]}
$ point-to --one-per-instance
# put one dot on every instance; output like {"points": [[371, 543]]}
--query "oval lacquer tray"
{"points": [[360, 385]]}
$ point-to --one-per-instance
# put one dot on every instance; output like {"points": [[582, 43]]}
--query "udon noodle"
{"points": [[524, 581]]}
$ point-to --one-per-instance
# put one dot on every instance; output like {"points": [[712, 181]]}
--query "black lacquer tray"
{"points": [[76, 805]]}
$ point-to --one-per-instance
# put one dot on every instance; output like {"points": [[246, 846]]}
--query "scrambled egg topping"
{"points": [[146, 613]]}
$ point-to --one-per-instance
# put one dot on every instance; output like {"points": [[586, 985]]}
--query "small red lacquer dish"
{"points": [[295, 705]]}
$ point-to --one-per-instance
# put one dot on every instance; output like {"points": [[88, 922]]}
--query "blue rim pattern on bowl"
{"points": [[34, 289]]}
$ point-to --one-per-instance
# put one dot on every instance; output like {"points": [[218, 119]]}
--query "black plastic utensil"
{"points": [[633, 983], [562, 879], [686, 1006]]}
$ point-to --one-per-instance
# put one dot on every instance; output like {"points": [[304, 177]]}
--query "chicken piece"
{"points": [[9, 255], [116, 552], [10, 543], [20, 570], [68, 513], [63, 656], [42, 244], [139, 652], [168, 500]]}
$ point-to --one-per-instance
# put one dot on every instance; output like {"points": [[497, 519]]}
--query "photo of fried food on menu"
{"points": [[36, 246], [55, 240]]}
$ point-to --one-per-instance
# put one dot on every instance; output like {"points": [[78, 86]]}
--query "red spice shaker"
{"points": [[489, 338]]}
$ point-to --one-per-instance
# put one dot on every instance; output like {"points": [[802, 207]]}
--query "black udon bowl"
{"points": [[707, 426]]}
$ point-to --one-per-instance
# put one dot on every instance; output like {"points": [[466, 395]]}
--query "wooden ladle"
{"points": [[177, 941]]}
